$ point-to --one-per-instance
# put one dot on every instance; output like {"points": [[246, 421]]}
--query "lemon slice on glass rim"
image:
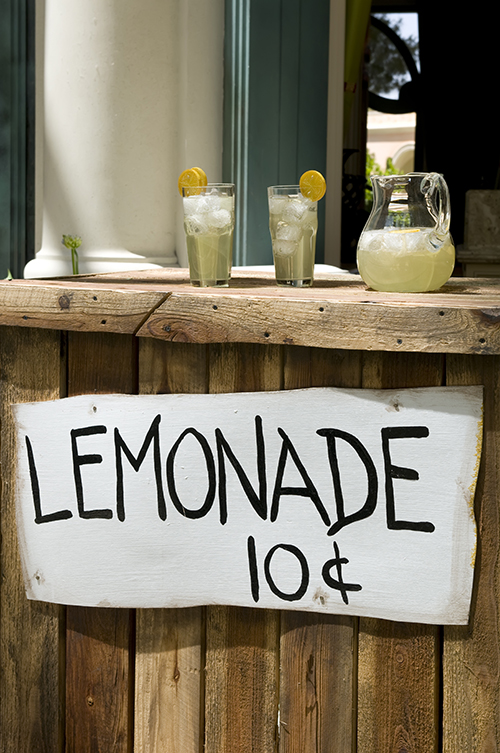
{"points": [[202, 175], [192, 180], [312, 185]]}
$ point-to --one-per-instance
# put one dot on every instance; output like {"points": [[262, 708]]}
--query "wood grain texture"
{"points": [[316, 367], [471, 654], [81, 307], [241, 692], [241, 706], [170, 642], [317, 651], [99, 678], [169, 680], [256, 661], [324, 318], [244, 368], [30, 709], [398, 687], [101, 363], [398, 663], [337, 312], [316, 683], [98, 704], [172, 368]]}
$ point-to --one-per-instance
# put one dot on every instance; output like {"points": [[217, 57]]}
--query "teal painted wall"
{"points": [[17, 93], [275, 109]]}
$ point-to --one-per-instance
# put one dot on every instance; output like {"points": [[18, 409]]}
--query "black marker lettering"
{"points": [[338, 583], [394, 471], [209, 460], [252, 565], [371, 473], [78, 461], [304, 581], [153, 435], [35, 489], [258, 501], [308, 490]]}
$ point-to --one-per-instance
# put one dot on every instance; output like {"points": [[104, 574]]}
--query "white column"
{"points": [[201, 74], [131, 94]]}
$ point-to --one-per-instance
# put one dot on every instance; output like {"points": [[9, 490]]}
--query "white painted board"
{"points": [[330, 500]]}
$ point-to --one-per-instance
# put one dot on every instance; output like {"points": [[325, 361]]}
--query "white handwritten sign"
{"points": [[331, 500]]}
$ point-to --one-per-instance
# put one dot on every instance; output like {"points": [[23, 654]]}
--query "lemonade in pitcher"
{"points": [[406, 246], [404, 260]]}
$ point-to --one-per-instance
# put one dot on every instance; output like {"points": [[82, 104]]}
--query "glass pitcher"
{"points": [[406, 245]]}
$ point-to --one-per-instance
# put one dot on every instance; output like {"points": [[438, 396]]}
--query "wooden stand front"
{"points": [[235, 680]]}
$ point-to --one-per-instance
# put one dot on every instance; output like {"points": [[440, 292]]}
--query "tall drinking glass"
{"points": [[293, 223], [209, 226]]}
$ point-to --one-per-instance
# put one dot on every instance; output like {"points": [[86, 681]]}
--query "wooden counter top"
{"points": [[337, 312]]}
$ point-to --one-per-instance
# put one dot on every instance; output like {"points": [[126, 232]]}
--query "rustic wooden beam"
{"points": [[329, 321], [399, 663], [337, 312], [169, 666], [99, 641], [241, 693], [471, 655], [317, 657], [30, 703], [83, 308]]}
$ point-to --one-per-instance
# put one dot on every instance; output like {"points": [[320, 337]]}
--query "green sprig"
{"points": [[72, 242]]}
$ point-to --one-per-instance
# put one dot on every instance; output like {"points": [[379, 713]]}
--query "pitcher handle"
{"points": [[437, 197]]}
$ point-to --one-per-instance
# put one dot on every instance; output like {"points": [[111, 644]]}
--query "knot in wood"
{"points": [[490, 316], [64, 302]]}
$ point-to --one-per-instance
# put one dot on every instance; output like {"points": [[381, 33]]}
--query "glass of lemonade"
{"points": [[209, 226], [293, 223]]}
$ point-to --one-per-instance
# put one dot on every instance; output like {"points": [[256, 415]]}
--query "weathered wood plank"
{"points": [[315, 367], [317, 659], [172, 368], [242, 644], [398, 663], [398, 693], [169, 686], [98, 704], [316, 683], [471, 654], [337, 312], [84, 308], [320, 320], [244, 368], [99, 681], [241, 705], [170, 642], [30, 708], [263, 281], [101, 363]]}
